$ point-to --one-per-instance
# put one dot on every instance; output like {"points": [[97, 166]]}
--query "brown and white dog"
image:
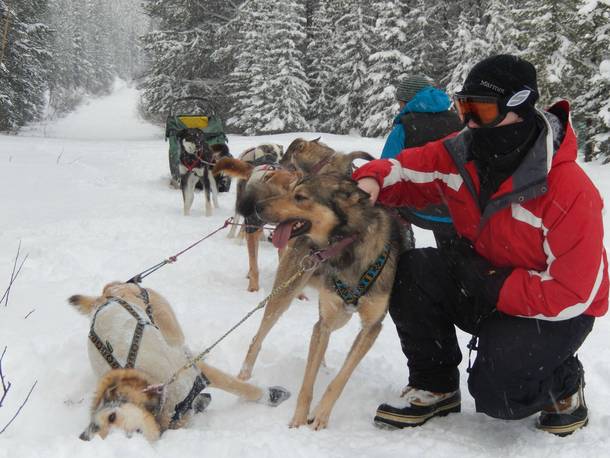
{"points": [[322, 213], [135, 347], [260, 178], [303, 157]]}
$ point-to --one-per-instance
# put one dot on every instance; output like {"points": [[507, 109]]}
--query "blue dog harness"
{"points": [[351, 296]]}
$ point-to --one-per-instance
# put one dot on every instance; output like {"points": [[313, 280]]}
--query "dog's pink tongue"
{"points": [[281, 235]]}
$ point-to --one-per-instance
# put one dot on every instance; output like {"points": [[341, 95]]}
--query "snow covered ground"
{"points": [[88, 199]]}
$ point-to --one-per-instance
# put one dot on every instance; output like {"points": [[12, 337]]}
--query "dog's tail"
{"points": [[359, 155], [84, 304], [233, 167]]}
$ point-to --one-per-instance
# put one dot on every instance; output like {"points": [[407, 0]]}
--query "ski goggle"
{"points": [[486, 111], [489, 111]]}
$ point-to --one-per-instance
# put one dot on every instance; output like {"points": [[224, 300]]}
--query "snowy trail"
{"points": [[90, 204]]}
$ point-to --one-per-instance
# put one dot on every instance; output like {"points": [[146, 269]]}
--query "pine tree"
{"points": [[98, 44], [352, 32], [24, 57], [429, 37], [285, 90], [268, 83], [469, 46], [387, 65], [179, 53], [321, 69], [550, 49], [593, 103]]}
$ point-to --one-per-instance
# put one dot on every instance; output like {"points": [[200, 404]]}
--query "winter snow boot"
{"points": [[566, 415], [420, 406]]}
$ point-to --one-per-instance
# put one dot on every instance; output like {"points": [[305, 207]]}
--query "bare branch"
{"points": [[20, 407], [5, 385], [14, 275], [31, 311]]}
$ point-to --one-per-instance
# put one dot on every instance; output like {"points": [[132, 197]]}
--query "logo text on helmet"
{"points": [[492, 86]]}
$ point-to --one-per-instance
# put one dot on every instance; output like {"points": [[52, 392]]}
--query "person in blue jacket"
{"points": [[424, 116]]}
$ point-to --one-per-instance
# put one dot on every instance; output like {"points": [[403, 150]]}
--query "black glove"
{"points": [[478, 278]]}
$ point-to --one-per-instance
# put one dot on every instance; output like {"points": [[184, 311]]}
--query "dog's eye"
{"points": [[112, 417], [300, 197]]}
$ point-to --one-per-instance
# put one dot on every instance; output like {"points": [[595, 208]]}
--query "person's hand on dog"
{"points": [[478, 278], [371, 187]]}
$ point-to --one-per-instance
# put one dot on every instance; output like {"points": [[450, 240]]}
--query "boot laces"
{"points": [[416, 396]]}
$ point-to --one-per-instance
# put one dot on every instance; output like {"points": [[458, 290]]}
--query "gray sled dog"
{"points": [[196, 162], [135, 346]]}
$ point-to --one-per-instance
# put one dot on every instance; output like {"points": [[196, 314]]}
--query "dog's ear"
{"points": [[316, 140], [155, 396], [110, 394]]}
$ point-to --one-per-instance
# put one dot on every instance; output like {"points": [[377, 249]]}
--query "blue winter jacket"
{"points": [[427, 100]]}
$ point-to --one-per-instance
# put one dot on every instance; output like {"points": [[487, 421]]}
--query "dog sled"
{"points": [[210, 125]]}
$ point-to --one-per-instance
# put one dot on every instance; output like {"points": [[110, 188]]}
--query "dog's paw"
{"points": [[317, 423], [299, 419], [276, 395], [201, 402]]}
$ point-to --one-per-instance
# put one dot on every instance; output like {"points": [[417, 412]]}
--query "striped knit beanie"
{"points": [[411, 85]]}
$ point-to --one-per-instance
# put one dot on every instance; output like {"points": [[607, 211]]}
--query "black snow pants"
{"points": [[522, 364]]}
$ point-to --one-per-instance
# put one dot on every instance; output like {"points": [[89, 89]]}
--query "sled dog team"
{"points": [[523, 267], [315, 205]]}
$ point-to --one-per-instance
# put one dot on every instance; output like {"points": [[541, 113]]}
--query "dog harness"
{"points": [[194, 161], [351, 296], [105, 348], [200, 383]]}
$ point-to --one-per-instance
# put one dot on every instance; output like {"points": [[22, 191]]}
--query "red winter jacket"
{"points": [[547, 224]]}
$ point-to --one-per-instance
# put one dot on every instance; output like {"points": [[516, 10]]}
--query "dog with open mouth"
{"points": [[303, 157], [321, 213], [136, 348]]}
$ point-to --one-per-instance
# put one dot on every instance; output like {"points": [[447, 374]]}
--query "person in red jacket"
{"points": [[528, 274]]}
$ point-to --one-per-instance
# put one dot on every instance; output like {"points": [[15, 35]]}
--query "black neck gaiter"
{"points": [[498, 151]]}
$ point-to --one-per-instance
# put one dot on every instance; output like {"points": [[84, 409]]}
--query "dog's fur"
{"points": [[307, 155], [267, 153], [274, 177], [257, 182], [302, 156], [134, 399], [318, 210], [196, 162]]}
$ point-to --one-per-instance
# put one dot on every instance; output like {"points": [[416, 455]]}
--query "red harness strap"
{"points": [[194, 161]]}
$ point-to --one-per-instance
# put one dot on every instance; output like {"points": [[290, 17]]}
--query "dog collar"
{"points": [[319, 256], [351, 296], [321, 163]]}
